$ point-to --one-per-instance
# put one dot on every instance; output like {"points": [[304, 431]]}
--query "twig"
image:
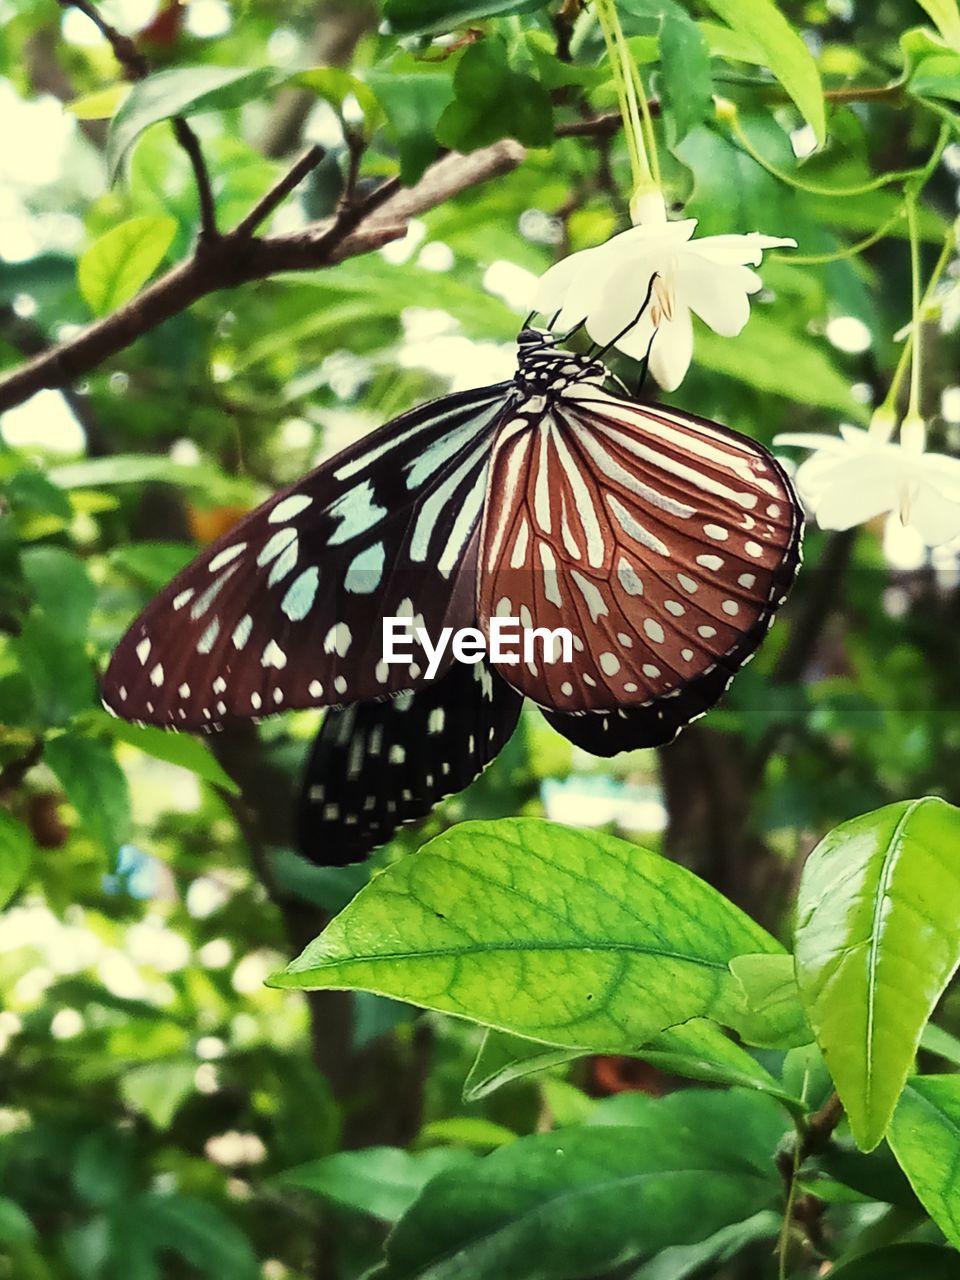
{"points": [[191, 145], [279, 192], [136, 66], [234, 259]]}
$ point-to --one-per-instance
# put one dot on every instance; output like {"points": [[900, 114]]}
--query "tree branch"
{"points": [[279, 192], [136, 66], [233, 259]]}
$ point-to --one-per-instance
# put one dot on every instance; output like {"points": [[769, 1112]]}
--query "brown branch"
{"points": [[191, 145], [234, 259], [279, 192], [136, 66]]}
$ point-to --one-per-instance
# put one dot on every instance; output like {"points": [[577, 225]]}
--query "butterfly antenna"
{"points": [[636, 320], [526, 324]]}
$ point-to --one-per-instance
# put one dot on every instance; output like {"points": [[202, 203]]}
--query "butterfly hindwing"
{"points": [[286, 609], [378, 765], [663, 542]]}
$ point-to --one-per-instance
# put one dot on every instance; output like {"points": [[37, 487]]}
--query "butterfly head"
{"points": [[545, 370]]}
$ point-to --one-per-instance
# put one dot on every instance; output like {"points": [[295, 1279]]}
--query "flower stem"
{"points": [[839, 255], [916, 328], [906, 355], [731, 114], [634, 108]]}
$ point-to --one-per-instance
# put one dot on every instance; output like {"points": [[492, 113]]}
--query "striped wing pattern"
{"points": [[664, 542], [285, 610], [375, 766]]}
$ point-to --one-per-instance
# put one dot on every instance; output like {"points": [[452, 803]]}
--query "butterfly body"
{"points": [[662, 542]]}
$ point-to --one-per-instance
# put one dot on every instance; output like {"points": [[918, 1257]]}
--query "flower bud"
{"points": [[884, 422], [647, 206]]}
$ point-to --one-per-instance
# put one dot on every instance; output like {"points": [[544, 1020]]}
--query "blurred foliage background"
{"points": [[153, 1093]]}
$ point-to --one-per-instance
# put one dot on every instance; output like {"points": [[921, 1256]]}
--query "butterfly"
{"points": [[663, 542]]}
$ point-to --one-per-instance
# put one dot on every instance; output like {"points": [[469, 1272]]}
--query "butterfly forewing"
{"points": [[663, 542], [286, 610], [376, 766]]}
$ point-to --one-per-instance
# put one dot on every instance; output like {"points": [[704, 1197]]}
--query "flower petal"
{"points": [[856, 492], [672, 349], [557, 281], [934, 515], [716, 294], [730, 249]]}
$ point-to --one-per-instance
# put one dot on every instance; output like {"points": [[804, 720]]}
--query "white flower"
{"points": [[853, 477], [606, 287]]}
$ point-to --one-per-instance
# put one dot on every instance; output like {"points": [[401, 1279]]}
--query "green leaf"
{"points": [[183, 91], [115, 267], [94, 784], [503, 1058], [699, 1050], [900, 1262], [15, 1227], [57, 668], [492, 101], [932, 66], [180, 749], [681, 1261], [564, 936], [154, 563], [157, 1089], [735, 46], [877, 941], [61, 586], [467, 1131], [773, 1016], [696, 1163], [380, 1181], [413, 101], [135, 468], [407, 17], [946, 14], [945, 1045], [100, 105], [686, 87], [784, 53], [925, 1138], [801, 371], [335, 86], [16, 852], [199, 1232]]}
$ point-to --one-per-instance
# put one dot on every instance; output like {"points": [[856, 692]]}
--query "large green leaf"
{"points": [[94, 784], [877, 941], [564, 936], [900, 1262], [16, 849], [686, 87], [946, 14], [199, 1232], [925, 1137], [428, 16], [493, 101], [773, 1015], [180, 749], [683, 1260], [784, 52], [380, 1181], [413, 99], [61, 586], [183, 91], [115, 267], [57, 669], [136, 468], [694, 1163]]}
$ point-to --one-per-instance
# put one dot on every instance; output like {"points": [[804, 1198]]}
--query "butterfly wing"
{"points": [[378, 765], [663, 542], [286, 609]]}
